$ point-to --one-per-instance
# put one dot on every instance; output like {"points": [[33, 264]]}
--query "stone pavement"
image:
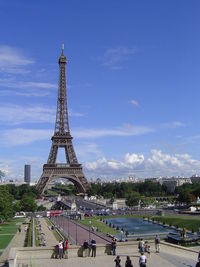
{"points": [[49, 236], [168, 257], [17, 241]]}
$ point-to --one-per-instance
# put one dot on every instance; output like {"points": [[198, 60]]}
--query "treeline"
{"points": [[17, 198], [69, 189], [145, 192], [122, 190], [188, 193]]}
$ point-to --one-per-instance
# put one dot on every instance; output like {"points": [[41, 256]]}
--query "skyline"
{"points": [[132, 85]]}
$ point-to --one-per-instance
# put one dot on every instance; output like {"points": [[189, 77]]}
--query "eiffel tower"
{"points": [[62, 138]]}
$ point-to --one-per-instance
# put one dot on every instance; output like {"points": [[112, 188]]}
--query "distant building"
{"points": [[172, 183], [27, 174], [195, 179]]}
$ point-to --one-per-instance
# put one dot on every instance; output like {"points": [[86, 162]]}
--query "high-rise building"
{"points": [[27, 173]]}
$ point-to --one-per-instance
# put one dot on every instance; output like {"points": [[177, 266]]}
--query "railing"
{"points": [[33, 233]]}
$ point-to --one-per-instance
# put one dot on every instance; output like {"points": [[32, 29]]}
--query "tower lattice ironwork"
{"points": [[62, 138]]}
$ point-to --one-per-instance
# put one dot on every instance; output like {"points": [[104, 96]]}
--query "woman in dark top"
{"points": [[117, 262], [128, 262]]}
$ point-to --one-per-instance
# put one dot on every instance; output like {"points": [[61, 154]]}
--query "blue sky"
{"points": [[132, 83]]}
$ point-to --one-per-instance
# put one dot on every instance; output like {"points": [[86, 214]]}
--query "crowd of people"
{"points": [[143, 247], [89, 248], [61, 250]]}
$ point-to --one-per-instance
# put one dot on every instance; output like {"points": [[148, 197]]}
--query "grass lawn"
{"points": [[5, 240], [9, 228], [191, 223], [95, 222]]}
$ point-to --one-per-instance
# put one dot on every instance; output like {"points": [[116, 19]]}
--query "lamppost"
{"points": [[89, 231], [76, 230], [68, 226]]}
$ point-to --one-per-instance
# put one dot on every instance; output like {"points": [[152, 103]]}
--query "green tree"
{"points": [[28, 203], [185, 197], [41, 208], [6, 203], [133, 199], [17, 206]]}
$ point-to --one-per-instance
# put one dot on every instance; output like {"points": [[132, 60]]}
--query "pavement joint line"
{"points": [[179, 247]]}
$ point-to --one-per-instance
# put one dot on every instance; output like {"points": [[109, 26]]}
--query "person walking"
{"points": [[93, 247], [128, 262], [142, 260], [85, 249], [117, 261], [198, 261], [114, 246], [19, 228], [157, 243], [60, 249], [65, 249], [142, 246]]}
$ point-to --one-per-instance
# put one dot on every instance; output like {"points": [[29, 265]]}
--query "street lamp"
{"points": [[76, 231], [68, 226], [89, 231]]}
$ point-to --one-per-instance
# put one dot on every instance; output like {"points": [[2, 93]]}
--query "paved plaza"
{"points": [[168, 257]]}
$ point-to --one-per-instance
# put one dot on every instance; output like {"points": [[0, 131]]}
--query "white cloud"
{"points": [[87, 151], [12, 60], [15, 114], [173, 124], [126, 130], [134, 102], [38, 115], [157, 164], [22, 136], [12, 83], [114, 57]]}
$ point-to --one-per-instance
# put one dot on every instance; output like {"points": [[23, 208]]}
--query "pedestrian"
{"points": [[85, 248], [128, 262], [60, 249], [93, 247], [114, 246], [198, 261], [139, 245], [19, 229], [145, 246], [25, 228], [55, 252], [148, 250], [117, 261], [157, 243], [142, 246], [65, 249], [142, 260]]}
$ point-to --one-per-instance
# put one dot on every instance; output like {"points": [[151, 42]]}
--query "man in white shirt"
{"points": [[142, 260], [60, 249]]}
